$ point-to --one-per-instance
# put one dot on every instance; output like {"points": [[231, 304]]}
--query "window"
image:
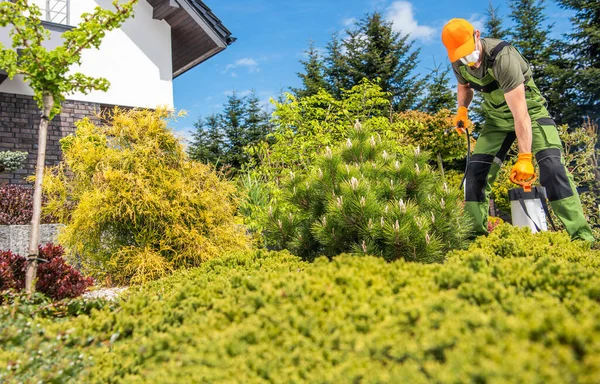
{"points": [[57, 11]]}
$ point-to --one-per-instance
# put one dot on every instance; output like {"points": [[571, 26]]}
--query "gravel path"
{"points": [[104, 293]]}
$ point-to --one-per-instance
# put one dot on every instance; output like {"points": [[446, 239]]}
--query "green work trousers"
{"points": [[489, 153]]}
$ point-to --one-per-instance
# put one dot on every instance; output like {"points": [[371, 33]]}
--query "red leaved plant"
{"points": [[56, 279]]}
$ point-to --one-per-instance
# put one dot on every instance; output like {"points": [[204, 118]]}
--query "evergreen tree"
{"points": [[493, 23], [374, 50], [336, 67], [530, 35], [233, 119], [313, 77], [584, 50], [439, 94], [256, 124], [207, 144]]}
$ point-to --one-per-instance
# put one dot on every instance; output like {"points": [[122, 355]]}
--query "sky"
{"points": [[272, 37]]}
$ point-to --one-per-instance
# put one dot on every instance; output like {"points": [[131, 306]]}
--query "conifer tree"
{"points": [[439, 94], [584, 50], [493, 23], [208, 143], [336, 67], [374, 50], [232, 119], [313, 77], [530, 35]]}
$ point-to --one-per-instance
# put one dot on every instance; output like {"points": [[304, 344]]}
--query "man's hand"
{"points": [[461, 120], [523, 171]]}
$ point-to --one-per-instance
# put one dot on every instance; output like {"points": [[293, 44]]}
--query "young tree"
{"points": [[313, 77], [48, 74], [207, 144], [493, 23]]}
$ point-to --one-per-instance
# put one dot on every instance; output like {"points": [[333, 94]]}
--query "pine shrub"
{"points": [[134, 205], [56, 279], [368, 196], [12, 161]]}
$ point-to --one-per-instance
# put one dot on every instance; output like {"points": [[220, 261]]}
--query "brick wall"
{"points": [[19, 122]]}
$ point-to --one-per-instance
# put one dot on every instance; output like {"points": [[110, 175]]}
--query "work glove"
{"points": [[523, 171], [461, 120]]}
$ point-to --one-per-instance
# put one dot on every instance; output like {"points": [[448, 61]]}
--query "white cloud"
{"points": [[349, 21], [401, 14], [246, 62], [478, 21]]}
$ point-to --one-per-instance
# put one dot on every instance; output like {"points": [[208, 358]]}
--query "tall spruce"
{"points": [[374, 50], [584, 50], [256, 124], [530, 35], [336, 67], [493, 23], [232, 120], [313, 76], [208, 142]]}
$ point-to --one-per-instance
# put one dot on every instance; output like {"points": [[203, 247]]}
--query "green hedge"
{"points": [[515, 307]]}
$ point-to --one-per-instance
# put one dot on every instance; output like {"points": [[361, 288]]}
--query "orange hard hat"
{"points": [[457, 36]]}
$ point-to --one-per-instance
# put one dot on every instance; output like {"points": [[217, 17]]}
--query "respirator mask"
{"points": [[471, 59]]}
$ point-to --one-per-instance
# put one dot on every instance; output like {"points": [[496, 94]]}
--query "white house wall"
{"points": [[136, 59]]}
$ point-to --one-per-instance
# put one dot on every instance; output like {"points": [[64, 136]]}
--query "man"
{"points": [[514, 109]]}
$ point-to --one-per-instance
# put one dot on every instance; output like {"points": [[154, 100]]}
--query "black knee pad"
{"points": [[553, 174], [476, 179]]}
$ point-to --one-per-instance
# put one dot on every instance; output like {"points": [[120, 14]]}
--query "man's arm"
{"points": [[518, 106], [464, 95]]}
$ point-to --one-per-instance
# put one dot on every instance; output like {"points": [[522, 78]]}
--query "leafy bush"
{"points": [[515, 307], [368, 197], [429, 132], [56, 279], [12, 161], [135, 206], [16, 206]]}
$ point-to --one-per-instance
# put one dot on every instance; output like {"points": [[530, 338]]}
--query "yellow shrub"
{"points": [[135, 206]]}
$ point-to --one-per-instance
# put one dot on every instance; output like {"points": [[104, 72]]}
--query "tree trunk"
{"points": [[34, 237]]}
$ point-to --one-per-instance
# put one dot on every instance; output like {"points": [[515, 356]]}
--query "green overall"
{"points": [[493, 143]]}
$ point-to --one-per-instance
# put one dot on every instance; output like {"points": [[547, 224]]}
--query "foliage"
{"points": [[16, 205], [221, 139], [493, 23], [12, 161], [56, 279], [141, 208], [374, 50], [313, 77], [367, 197], [439, 94], [582, 58], [432, 132], [305, 126], [499, 312], [530, 34]]}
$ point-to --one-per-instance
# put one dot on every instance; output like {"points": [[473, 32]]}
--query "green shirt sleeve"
{"points": [[509, 68], [459, 77]]}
